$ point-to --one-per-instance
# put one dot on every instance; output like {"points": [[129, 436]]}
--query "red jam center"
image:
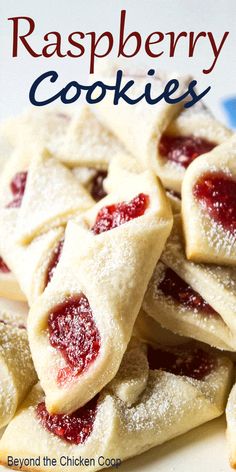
{"points": [[74, 428], [97, 190], [3, 266], [182, 360], [73, 332], [216, 192], [111, 216], [183, 149], [173, 286], [17, 186], [53, 262]]}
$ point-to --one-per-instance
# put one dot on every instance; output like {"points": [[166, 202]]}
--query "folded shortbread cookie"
{"points": [[209, 206], [80, 326], [16, 366], [162, 137], [157, 395], [194, 300]]}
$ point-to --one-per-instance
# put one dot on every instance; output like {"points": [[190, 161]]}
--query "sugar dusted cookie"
{"points": [[37, 127], [32, 264], [89, 148], [88, 143], [173, 303], [161, 137], [93, 180], [209, 206], [114, 295], [96, 292], [132, 376], [13, 179], [186, 386], [16, 366], [191, 299], [194, 132], [141, 126], [120, 169], [48, 179]]}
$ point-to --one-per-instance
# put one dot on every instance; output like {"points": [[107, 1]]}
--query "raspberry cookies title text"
{"points": [[78, 44]]}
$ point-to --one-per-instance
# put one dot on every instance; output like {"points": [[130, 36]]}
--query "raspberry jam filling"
{"points": [[74, 428], [3, 266], [17, 186], [53, 262], [97, 190], [216, 192], [183, 149], [73, 332], [182, 360], [173, 286], [111, 216]]}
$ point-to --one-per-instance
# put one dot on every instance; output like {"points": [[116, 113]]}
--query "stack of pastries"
{"points": [[117, 278]]}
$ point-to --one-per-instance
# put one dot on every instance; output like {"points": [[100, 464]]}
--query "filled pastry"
{"points": [[47, 178], [26, 187], [80, 326], [78, 140], [36, 127], [209, 206], [16, 366], [161, 137], [139, 128], [87, 143], [88, 149], [179, 388], [125, 306], [120, 169], [38, 258], [13, 179], [194, 300], [194, 132]]}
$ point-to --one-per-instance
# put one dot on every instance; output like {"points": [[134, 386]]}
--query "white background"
{"points": [[203, 449]]}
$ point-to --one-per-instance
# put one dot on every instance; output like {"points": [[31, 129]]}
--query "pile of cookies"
{"points": [[118, 240]]}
